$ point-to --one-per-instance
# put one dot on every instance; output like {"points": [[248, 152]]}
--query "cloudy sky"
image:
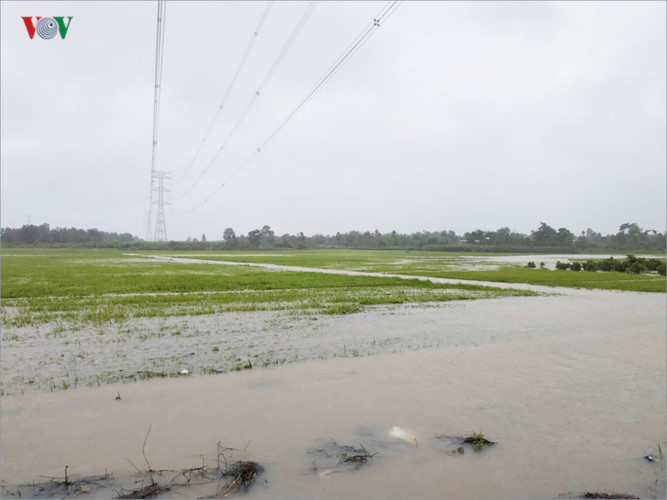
{"points": [[453, 115]]}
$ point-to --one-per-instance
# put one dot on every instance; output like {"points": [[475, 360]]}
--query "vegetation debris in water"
{"points": [[334, 458], [148, 491], [58, 488], [588, 494], [477, 440], [243, 473]]}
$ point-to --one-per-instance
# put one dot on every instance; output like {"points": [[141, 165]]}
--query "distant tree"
{"points": [[564, 237], [286, 241], [353, 239], [545, 235], [29, 234], [477, 236], [254, 237], [203, 238], [267, 239], [502, 236], [94, 235], [230, 238], [301, 241]]}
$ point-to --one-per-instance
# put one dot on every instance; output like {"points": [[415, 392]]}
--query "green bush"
{"points": [[636, 268], [661, 268], [590, 265]]}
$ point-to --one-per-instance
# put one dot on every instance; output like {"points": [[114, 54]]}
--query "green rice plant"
{"points": [[340, 309], [478, 441]]}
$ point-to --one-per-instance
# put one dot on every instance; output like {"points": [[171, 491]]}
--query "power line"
{"points": [[230, 87], [159, 55], [269, 74], [384, 14], [352, 49]]}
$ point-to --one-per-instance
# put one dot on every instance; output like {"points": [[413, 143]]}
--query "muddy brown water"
{"points": [[572, 388]]}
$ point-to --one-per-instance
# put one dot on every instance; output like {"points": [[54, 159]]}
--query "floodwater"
{"points": [[549, 260], [458, 263], [572, 388], [281, 267], [139, 348]]}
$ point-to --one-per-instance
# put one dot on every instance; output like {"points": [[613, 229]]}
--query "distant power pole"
{"points": [[160, 224]]}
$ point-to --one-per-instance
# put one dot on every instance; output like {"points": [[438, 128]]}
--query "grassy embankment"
{"points": [[455, 266]]}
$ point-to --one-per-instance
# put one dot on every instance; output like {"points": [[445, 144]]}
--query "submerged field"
{"points": [[75, 318], [571, 388], [570, 385], [500, 268]]}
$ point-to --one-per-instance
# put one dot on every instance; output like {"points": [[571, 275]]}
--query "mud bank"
{"points": [[571, 388]]}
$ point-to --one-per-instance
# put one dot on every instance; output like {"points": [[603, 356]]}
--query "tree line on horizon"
{"points": [[544, 239]]}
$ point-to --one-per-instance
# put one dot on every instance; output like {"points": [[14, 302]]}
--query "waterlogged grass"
{"points": [[87, 318], [482, 267], [77, 288], [352, 260], [571, 279], [99, 310]]}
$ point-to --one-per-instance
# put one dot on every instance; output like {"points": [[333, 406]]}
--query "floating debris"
{"points": [[334, 458], [244, 473], [148, 491], [477, 440], [404, 435], [57, 488], [588, 494]]}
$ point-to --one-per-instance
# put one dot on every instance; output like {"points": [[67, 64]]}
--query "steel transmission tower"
{"points": [[159, 52], [160, 224]]}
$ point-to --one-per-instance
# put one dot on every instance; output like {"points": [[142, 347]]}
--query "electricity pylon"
{"points": [[160, 224]]}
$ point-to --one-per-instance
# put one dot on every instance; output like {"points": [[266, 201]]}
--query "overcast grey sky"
{"points": [[454, 115]]}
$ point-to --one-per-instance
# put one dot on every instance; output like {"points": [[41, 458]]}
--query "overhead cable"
{"points": [[230, 87], [384, 14], [260, 88]]}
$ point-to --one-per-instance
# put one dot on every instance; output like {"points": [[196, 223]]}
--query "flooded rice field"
{"points": [[434, 261], [549, 260], [52, 357], [571, 388]]}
